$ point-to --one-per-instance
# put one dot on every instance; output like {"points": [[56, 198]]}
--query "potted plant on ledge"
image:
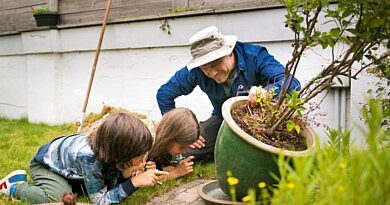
{"points": [[256, 129], [44, 16]]}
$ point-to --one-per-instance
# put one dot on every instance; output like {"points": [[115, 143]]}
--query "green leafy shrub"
{"points": [[350, 32], [336, 174], [41, 10]]}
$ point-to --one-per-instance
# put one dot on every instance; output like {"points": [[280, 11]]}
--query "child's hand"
{"points": [[150, 165], [148, 178], [184, 167]]}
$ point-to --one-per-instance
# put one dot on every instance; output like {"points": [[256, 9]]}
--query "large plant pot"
{"points": [[249, 160], [47, 19]]}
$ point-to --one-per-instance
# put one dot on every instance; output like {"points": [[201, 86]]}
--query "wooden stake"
{"points": [[80, 123]]}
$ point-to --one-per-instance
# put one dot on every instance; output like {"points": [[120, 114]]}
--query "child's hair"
{"points": [[119, 138], [178, 125]]}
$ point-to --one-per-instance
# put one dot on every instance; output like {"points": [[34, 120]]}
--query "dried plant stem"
{"points": [[292, 66]]}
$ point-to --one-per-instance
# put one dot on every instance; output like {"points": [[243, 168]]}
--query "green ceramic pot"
{"points": [[249, 160]]}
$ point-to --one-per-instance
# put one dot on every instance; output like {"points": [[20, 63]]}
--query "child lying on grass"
{"points": [[98, 163], [176, 131]]}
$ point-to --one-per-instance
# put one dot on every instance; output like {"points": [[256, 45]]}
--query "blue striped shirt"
{"points": [[72, 157]]}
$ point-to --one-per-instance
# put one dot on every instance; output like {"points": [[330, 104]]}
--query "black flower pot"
{"points": [[47, 19]]}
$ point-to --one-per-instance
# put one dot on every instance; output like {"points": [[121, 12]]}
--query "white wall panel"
{"points": [[13, 87]]}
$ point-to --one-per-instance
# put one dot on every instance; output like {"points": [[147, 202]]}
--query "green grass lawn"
{"points": [[21, 139]]}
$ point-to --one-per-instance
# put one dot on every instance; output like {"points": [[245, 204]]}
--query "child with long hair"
{"points": [[103, 163], [176, 131]]}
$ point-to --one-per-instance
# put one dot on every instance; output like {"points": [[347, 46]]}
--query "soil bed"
{"points": [[252, 121]]}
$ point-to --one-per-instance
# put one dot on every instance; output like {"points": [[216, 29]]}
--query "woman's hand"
{"points": [[184, 167], [150, 165], [148, 178]]}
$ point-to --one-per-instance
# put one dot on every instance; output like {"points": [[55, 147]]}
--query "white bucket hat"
{"points": [[208, 45]]}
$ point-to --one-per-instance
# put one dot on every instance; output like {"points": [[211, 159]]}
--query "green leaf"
{"points": [[297, 128], [366, 35], [299, 19], [340, 81], [347, 13], [294, 94], [330, 42], [289, 3], [323, 44], [353, 31], [324, 3], [288, 97], [344, 39], [290, 125], [335, 32], [345, 23]]}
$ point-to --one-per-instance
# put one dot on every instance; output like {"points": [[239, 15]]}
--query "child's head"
{"points": [[176, 130], [120, 138]]}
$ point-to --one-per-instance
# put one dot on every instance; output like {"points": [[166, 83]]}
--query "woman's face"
{"points": [[176, 149]]}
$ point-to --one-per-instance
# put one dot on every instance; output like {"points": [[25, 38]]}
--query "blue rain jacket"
{"points": [[255, 66]]}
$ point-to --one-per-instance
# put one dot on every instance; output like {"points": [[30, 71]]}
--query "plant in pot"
{"points": [[256, 129], [44, 16]]}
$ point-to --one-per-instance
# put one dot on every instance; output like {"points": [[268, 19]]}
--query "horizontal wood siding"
{"points": [[246, 4], [221, 5], [14, 15], [74, 12], [12, 4]]}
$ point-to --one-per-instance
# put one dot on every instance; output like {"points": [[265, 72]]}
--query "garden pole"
{"points": [[80, 122]]}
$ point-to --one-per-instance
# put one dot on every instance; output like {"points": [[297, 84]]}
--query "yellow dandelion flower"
{"points": [[290, 185], [229, 173], [343, 165], [232, 181], [262, 185], [246, 198], [341, 188]]}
